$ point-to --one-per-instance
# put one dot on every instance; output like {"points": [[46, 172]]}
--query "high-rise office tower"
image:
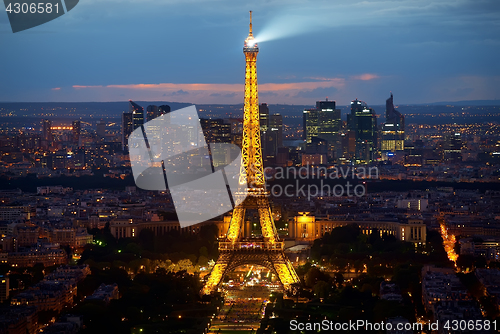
{"points": [[217, 131], [47, 136], [155, 132], [77, 128], [127, 128], [329, 124], [131, 121], [452, 148], [163, 109], [271, 131], [276, 125], [263, 117], [362, 121], [4, 288], [264, 126], [137, 114], [151, 112], [101, 129], [273, 137], [324, 122], [310, 124], [393, 130], [236, 126]]}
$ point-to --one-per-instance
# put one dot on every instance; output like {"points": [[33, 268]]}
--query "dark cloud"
{"points": [[319, 92], [179, 92], [268, 94], [223, 95]]}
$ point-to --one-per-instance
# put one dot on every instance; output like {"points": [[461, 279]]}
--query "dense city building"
{"points": [[272, 139], [323, 122], [362, 125], [305, 227], [127, 128], [47, 136], [263, 117], [77, 129], [271, 132], [4, 288], [101, 130], [452, 148], [393, 130], [151, 112], [137, 115]]}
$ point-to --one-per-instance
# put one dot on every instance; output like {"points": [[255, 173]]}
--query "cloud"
{"points": [[216, 92], [365, 77], [316, 93], [182, 89], [56, 88], [268, 94], [85, 87], [179, 92], [321, 78]]}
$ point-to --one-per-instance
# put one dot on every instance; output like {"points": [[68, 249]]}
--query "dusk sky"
{"points": [[191, 51]]}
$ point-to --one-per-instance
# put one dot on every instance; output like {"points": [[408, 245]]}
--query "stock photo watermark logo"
{"points": [[170, 152], [353, 181], [26, 14]]}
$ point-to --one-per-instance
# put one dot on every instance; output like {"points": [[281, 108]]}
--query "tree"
{"points": [[146, 239], [338, 278], [202, 261], [321, 289], [314, 275], [203, 251]]}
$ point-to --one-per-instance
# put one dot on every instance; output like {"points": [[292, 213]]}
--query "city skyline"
{"points": [[423, 52]]}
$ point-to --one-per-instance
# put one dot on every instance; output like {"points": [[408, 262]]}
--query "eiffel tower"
{"points": [[235, 251]]}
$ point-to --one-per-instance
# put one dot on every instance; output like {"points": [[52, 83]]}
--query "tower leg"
{"points": [[286, 273], [236, 223], [217, 274], [266, 220]]}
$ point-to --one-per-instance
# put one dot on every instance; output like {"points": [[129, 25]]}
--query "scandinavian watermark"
{"points": [[326, 177]]}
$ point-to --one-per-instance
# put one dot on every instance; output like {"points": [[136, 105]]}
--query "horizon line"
{"points": [[285, 104]]}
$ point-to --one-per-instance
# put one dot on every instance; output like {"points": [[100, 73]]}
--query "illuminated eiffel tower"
{"points": [[267, 251]]}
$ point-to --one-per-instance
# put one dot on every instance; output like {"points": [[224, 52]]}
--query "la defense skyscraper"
{"points": [[323, 122], [236, 250], [393, 130], [362, 125], [131, 120]]}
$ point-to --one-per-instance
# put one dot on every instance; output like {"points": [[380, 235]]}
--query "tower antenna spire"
{"points": [[251, 33]]}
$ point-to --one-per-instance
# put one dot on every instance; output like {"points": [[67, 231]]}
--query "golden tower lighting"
{"points": [[266, 251]]}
